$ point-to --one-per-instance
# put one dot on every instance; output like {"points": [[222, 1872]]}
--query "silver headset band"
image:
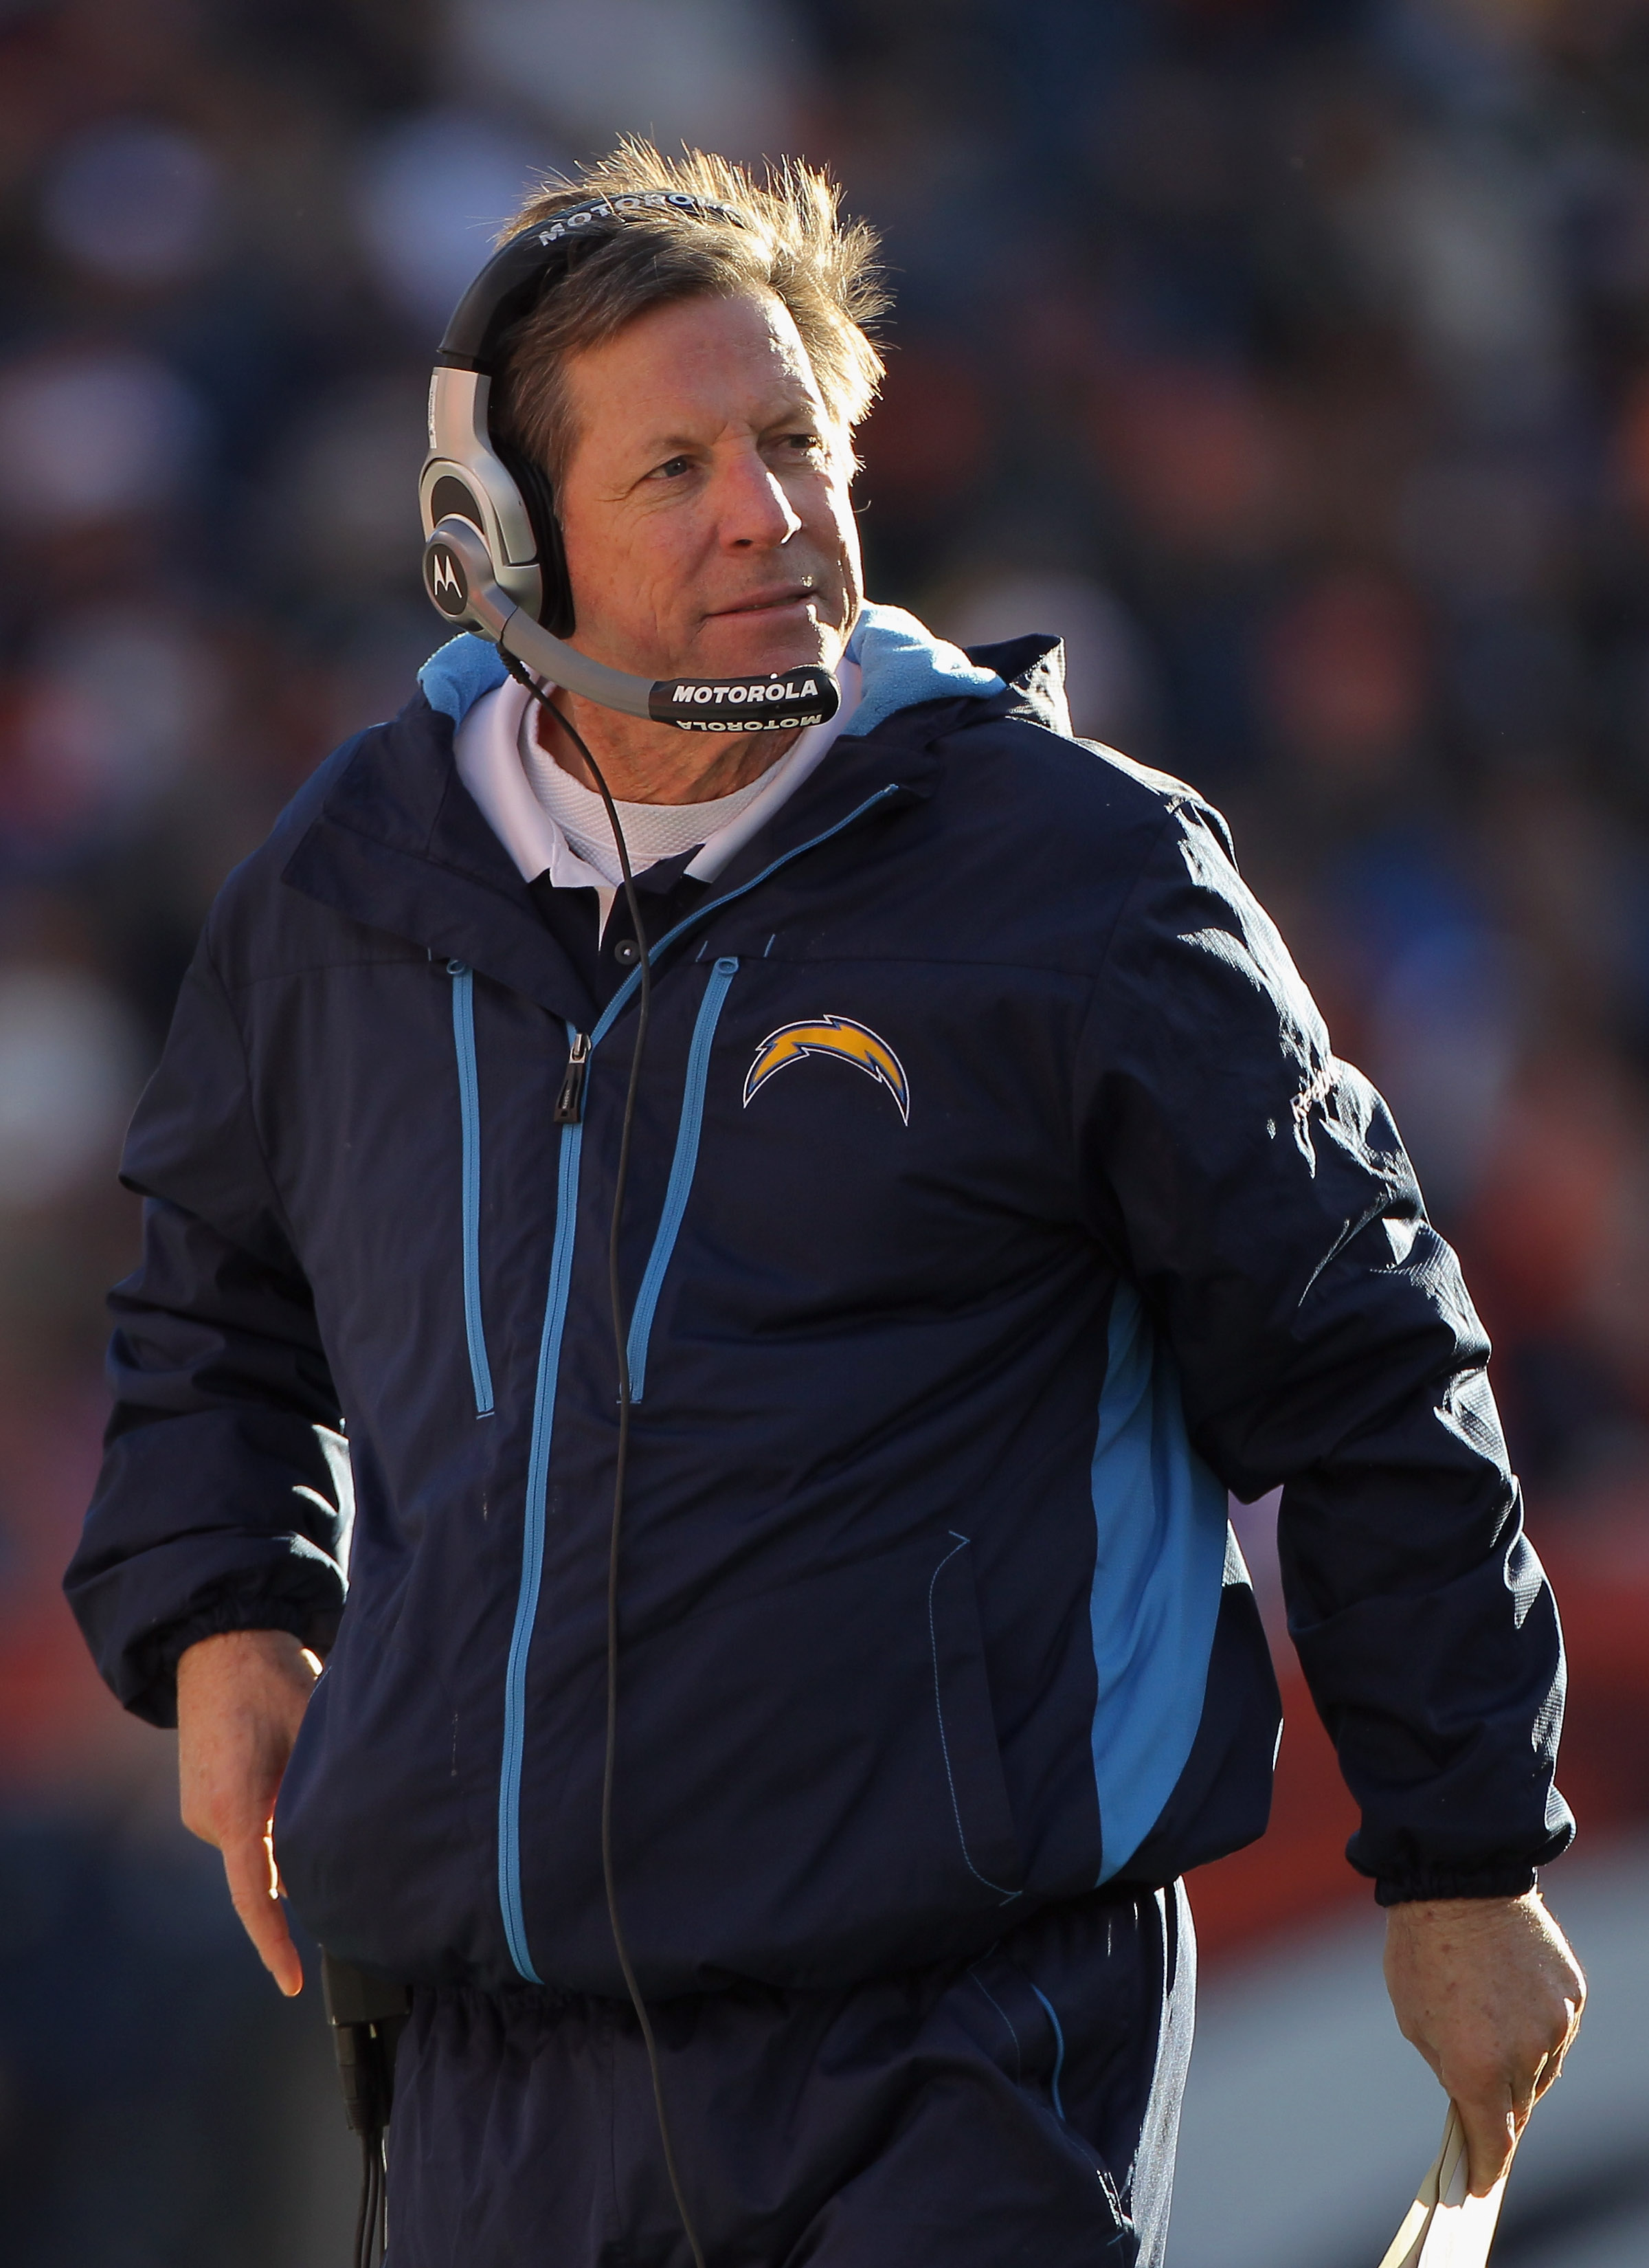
{"points": [[458, 574], [471, 337]]}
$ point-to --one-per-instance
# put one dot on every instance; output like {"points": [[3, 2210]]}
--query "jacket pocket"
{"points": [[809, 1789], [967, 1727]]}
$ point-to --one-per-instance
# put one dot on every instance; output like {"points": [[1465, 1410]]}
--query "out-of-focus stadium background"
{"points": [[1293, 360]]}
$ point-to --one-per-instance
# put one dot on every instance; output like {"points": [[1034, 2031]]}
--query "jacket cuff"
{"points": [[1486, 1883], [316, 1626]]}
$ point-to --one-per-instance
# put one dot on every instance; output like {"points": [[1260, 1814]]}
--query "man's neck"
{"points": [[644, 762]]}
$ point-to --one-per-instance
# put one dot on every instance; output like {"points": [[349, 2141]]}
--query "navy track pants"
{"points": [[1018, 2113]]}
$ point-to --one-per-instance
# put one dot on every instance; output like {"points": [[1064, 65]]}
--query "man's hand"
{"points": [[1489, 1991], [240, 1699]]}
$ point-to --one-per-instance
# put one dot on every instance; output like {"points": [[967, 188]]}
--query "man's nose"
{"points": [[754, 513]]}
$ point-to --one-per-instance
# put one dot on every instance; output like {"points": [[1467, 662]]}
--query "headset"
{"points": [[493, 558]]}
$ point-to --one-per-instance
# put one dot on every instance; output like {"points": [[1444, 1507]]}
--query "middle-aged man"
{"points": [[995, 1203]]}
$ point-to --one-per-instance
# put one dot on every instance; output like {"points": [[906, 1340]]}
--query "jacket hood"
{"points": [[904, 665]]}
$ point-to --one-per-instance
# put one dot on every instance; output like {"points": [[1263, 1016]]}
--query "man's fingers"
{"points": [[1493, 2112], [1573, 2007], [250, 1870], [1492, 2130], [1552, 2068], [241, 1697]]}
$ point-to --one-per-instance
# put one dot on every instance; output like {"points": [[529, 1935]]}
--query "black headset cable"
{"points": [[371, 2234], [621, 1339]]}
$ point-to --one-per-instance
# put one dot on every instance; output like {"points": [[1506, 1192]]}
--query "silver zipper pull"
{"points": [[569, 1101]]}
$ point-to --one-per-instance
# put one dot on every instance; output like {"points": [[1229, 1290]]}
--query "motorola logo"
{"points": [[447, 587]]}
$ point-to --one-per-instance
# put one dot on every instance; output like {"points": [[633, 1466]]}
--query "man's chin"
{"points": [[765, 649]]}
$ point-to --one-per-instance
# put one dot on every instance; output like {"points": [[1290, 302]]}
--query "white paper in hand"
{"points": [[1445, 2227]]}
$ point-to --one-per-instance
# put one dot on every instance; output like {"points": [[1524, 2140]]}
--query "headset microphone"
{"points": [[460, 578]]}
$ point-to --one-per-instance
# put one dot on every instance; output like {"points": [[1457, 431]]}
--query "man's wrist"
{"points": [[227, 1615], [261, 1654], [271, 1642]]}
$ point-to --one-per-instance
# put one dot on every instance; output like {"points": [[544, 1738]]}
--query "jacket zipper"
{"points": [[570, 1103], [682, 1167], [469, 1125], [571, 1144]]}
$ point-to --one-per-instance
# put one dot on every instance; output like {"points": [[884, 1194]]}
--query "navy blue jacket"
{"points": [[996, 1204]]}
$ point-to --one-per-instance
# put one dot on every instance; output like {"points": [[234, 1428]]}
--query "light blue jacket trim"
{"points": [[456, 674], [681, 1169], [470, 1127], [1157, 1572], [903, 664], [532, 1551]]}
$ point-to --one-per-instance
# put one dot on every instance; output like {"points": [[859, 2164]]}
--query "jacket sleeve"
{"points": [[225, 1499], [1256, 1190]]}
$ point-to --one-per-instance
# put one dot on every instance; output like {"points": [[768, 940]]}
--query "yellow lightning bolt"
{"points": [[830, 1036]]}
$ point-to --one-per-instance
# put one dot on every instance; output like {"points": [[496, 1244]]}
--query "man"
{"points": [[994, 1205]]}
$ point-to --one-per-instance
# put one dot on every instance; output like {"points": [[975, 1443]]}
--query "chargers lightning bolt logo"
{"points": [[830, 1036]]}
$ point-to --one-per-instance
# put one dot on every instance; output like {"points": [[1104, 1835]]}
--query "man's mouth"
{"points": [[777, 600]]}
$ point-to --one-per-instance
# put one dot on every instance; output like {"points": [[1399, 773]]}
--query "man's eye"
{"points": [[807, 442], [673, 468]]}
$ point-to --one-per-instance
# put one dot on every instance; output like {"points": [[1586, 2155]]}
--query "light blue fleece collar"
{"points": [[461, 672], [902, 665]]}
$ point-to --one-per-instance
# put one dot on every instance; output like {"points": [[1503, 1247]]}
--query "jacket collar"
{"points": [[400, 844], [1032, 671]]}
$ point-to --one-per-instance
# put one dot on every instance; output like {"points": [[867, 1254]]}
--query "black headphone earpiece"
{"points": [[555, 609]]}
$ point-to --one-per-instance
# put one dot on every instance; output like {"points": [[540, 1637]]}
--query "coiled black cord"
{"points": [[621, 1340]]}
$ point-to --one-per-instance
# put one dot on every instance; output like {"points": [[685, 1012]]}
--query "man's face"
{"points": [[705, 505]]}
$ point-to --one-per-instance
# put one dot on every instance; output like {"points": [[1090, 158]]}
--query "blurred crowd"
{"points": [[1290, 357]]}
